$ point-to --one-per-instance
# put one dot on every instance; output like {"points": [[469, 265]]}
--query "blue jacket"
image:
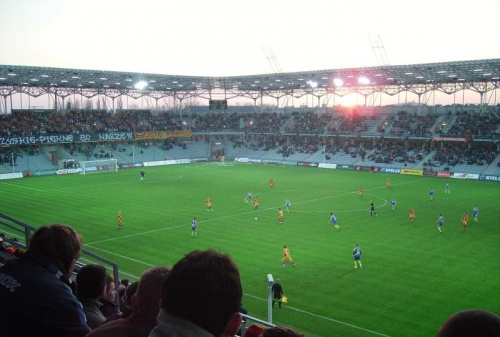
{"points": [[36, 300]]}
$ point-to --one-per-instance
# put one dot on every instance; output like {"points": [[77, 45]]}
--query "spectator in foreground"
{"points": [[109, 308], [127, 308], [35, 290], [90, 286], [278, 331], [145, 308], [201, 296], [471, 323]]}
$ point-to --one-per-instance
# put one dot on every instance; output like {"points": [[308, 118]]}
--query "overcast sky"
{"points": [[228, 37]]}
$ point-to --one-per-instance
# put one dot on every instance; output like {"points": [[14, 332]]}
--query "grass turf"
{"points": [[413, 277]]}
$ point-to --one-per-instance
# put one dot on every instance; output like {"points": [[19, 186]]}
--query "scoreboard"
{"points": [[217, 104]]}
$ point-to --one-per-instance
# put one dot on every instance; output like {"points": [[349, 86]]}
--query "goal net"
{"points": [[103, 165]]}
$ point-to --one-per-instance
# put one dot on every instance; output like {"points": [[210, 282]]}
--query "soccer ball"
{"points": [[255, 218]]}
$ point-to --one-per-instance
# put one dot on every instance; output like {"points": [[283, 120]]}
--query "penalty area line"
{"points": [[323, 317]]}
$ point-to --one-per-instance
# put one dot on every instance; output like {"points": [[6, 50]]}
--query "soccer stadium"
{"points": [[387, 212]]}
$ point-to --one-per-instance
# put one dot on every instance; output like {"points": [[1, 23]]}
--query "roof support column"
{"points": [[5, 105], [261, 99]]}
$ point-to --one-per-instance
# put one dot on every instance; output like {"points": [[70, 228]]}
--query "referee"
{"points": [[277, 290]]}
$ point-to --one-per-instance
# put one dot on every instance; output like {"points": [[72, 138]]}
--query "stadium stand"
{"points": [[383, 136]]}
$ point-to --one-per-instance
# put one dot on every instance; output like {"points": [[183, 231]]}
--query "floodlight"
{"points": [[363, 80], [141, 85], [338, 82], [312, 84]]}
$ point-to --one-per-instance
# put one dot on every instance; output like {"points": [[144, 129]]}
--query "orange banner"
{"points": [[163, 134]]}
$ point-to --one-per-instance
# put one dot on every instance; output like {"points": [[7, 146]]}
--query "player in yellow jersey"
{"points": [[465, 221], [119, 217], [256, 203], [388, 184], [286, 257], [208, 201], [271, 183], [413, 216], [280, 216], [361, 191]]}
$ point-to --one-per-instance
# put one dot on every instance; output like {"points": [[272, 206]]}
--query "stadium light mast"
{"points": [[379, 50]]}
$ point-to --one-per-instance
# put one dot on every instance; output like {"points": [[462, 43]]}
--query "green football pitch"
{"points": [[413, 277]]}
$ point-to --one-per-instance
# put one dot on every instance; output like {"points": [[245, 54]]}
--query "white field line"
{"points": [[25, 187], [234, 216], [137, 181], [258, 298], [322, 317]]}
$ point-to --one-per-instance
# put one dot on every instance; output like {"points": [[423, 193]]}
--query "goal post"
{"points": [[95, 166]]}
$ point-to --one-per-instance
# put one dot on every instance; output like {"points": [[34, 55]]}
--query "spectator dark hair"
{"points": [[204, 287], [279, 331], [91, 281], [61, 243], [131, 290], [471, 323], [125, 282]]}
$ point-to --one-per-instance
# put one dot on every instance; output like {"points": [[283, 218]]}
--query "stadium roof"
{"points": [[331, 80]]}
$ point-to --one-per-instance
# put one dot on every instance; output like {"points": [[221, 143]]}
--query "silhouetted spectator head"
{"points": [[278, 331], [91, 281], [125, 282], [61, 243], [131, 290], [204, 288], [471, 323]]}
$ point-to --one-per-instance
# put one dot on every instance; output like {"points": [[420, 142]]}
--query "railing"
{"points": [[253, 319]]}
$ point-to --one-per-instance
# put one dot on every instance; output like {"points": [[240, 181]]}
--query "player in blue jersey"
{"points": [[356, 253], [194, 228], [249, 197], [431, 194], [393, 204], [475, 212], [334, 221], [287, 205], [447, 188], [440, 222]]}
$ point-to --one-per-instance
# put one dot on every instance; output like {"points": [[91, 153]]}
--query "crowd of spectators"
{"points": [[408, 125], [267, 131], [452, 154], [307, 123], [473, 126], [249, 122], [30, 123], [393, 151]]}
